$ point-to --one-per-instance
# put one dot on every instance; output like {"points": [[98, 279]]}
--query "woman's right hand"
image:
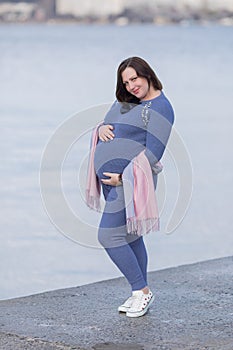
{"points": [[105, 132]]}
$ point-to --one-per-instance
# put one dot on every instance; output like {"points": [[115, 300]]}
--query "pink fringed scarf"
{"points": [[142, 213], [93, 184]]}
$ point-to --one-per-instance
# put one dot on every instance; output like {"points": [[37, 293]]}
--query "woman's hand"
{"points": [[115, 179], [105, 132]]}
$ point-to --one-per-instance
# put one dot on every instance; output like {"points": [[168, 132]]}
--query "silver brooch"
{"points": [[145, 113]]}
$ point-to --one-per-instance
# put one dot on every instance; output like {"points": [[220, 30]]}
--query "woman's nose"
{"points": [[131, 85]]}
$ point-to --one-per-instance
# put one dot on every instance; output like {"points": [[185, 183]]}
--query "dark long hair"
{"points": [[142, 69]]}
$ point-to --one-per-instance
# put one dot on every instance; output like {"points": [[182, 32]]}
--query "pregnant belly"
{"points": [[113, 156]]}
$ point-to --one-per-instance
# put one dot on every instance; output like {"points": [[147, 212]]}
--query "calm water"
{"points": [[51, 72]]}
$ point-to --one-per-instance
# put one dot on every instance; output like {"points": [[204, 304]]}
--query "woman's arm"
{"points": [[158, 132], [105, 130]]}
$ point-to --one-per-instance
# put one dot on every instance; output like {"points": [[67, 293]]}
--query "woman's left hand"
{"points": [[114, 179]]}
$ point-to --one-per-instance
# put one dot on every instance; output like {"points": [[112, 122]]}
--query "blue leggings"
{"points": [[128, 252]]}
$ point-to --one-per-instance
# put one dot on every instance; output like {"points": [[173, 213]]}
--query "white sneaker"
{"points": [[140, 303], [127, 304]]}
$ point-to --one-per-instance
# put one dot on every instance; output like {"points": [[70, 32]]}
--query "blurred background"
{"points": [[59, 57], [120, 12]]}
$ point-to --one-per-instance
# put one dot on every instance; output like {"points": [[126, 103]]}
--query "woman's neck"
{"points": [[152, 93]]}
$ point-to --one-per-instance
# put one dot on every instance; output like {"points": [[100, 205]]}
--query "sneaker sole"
{"points": [[123, 309], [141, 313]]}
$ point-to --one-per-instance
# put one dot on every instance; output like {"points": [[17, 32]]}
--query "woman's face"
{"points": [[135, 85]]}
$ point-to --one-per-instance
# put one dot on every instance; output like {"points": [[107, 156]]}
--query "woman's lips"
{"points": [[136, 91]]}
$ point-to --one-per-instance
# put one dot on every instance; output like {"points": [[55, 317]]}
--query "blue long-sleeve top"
{"points": [[132, 135]]}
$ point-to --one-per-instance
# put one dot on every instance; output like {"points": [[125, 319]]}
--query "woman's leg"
{"points": [[129, 257], [126, 261], [140, 252]]}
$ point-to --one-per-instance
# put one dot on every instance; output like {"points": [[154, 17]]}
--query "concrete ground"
{"points": [[193, 310]]}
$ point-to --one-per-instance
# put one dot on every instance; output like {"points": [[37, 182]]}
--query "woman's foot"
{"points": [[127, 304], [140, 303]]}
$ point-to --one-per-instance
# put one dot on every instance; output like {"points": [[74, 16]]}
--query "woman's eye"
{"points": [[134, 79]]}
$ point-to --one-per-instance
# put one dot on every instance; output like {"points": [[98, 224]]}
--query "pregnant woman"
{"points": [[126, 150]]}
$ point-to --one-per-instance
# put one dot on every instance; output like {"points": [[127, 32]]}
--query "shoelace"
{"points": [[141, 301], [130, 299]]}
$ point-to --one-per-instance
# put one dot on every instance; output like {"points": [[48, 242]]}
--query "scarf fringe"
{"points": [[143, 226], [93, 202]]}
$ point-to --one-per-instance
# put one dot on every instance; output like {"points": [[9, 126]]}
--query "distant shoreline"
{"points": [[126, 13], [106, 23]]}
